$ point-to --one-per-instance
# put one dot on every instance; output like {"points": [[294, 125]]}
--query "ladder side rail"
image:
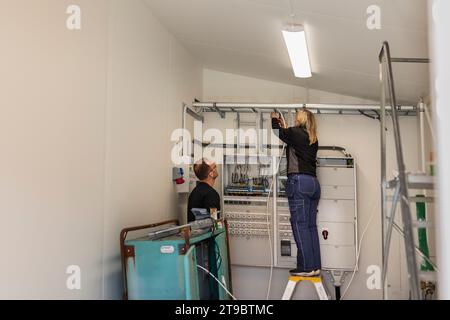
{"points": [[405, 208], [387, 242]]}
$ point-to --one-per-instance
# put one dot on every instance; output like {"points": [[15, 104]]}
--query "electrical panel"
{"points": [[248, 208], [255, 218]]}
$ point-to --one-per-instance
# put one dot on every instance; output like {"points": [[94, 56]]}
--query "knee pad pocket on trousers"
{"points": [[297, 209]]}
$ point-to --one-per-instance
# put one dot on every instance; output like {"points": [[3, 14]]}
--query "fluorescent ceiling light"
{"points": [[295, 39]]}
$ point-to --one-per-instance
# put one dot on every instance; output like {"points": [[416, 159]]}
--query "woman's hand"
{"points": [[276, 115]]}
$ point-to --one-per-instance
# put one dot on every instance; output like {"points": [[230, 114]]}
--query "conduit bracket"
{"points": [[220, 112]]}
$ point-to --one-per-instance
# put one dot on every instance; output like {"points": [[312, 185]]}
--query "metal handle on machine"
{"points": [[335, 148], [123, 236]]}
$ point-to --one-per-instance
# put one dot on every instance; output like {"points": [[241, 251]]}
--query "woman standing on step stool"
{"points": [[302, 188]]}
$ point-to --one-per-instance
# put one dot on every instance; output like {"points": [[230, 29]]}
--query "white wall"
{"points": [[150, 75], [85, 126], [360, 136], [52, 139], [440, 49]]}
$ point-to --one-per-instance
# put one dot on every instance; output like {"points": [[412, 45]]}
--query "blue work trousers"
{"points": [[303, 193]]}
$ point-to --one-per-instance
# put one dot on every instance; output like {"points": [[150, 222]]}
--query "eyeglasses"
{"points": [[212, 168]]}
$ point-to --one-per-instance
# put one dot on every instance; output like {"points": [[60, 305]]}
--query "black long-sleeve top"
{"points": [[202, 197], [301, 156]]}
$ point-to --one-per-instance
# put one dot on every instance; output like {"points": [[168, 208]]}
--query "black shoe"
{"points": [[301, 273]]}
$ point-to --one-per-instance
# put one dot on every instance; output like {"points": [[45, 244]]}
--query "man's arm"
{"points": [[190, 215]]}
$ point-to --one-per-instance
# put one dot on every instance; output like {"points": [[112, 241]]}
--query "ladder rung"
{"points": [[422, 199], [422, 224], [415, 181], [428, 276], [420, 181], [300, 278], [415, 199], [416, 223]]}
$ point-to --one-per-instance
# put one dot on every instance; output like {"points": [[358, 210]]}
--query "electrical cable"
{"points": [[218, 281], [267, 216], [378, 115], [359, 249], [217, 248], [369, 116], [218, 254]]}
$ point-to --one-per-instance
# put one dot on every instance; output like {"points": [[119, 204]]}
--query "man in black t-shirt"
{"points": [[204, 196]]}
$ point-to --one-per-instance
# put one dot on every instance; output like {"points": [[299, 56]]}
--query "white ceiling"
{"points": [[244, 37]]}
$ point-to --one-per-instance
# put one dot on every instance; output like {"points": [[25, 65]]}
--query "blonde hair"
{"points": [[306, 119]]}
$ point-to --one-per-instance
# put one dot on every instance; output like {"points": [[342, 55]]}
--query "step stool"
{"points": [[294, 280]]}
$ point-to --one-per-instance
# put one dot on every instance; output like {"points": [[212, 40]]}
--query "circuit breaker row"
{"points": [[248, 218], [249, 233], [250, 225]]}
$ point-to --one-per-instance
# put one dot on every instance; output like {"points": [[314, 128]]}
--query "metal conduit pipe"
{"points": [[273, 106]]}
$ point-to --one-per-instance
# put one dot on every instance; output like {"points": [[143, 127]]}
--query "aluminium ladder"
{"points": [[401, 184]]}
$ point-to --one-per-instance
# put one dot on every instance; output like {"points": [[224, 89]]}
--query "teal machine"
{"points": [[170, 262]]}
